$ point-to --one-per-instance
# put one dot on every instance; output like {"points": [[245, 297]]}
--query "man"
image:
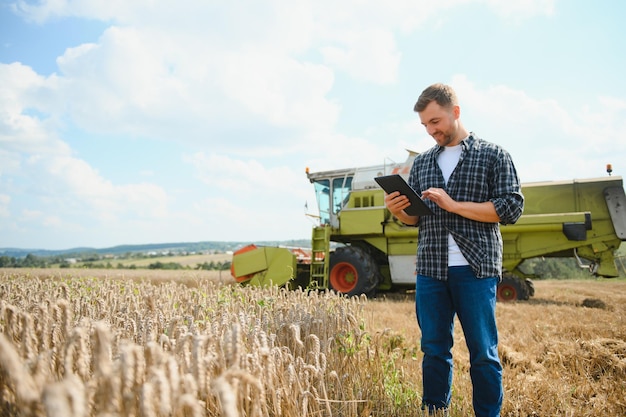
{"points": [[472, 186]]}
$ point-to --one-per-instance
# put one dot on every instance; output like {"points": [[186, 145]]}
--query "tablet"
{"points": [[391, 183]]}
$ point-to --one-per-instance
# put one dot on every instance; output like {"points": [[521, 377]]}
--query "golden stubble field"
{"points": [[560, 357], [192, 343]]}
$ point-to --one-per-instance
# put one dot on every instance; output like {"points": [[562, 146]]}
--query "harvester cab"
{"points": [[333, 188]]}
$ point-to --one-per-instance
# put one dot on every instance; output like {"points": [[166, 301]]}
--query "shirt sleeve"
{"points": [[508, 199]]}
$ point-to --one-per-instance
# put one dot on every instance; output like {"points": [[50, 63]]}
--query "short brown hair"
{"points": [[443, 94]]}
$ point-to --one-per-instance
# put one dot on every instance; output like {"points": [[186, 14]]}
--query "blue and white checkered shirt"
{"points": [[485, 172]]}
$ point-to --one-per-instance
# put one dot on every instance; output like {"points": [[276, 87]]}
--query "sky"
{"points": [[134, 122]]}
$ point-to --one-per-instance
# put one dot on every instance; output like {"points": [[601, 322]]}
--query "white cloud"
{"points": [[280, 90], [522, 9], [246, 197], [249, 178], [547, 139], [35, 153], [150, 84], [217, 60], [603, 122], [95, 9], [179, 72], [370, 56], [40, 219], [64, 197], [71, 184], [28, 110], [5, 201]]}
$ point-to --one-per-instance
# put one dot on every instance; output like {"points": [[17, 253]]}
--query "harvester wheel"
{"points": [[352, 271], [512, 288], [531, 287]]}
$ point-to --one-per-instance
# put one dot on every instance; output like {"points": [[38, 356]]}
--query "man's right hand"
{"points": [[396, 203]]}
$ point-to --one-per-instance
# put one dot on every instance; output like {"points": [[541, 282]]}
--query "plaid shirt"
{"points": [[485, 172]]}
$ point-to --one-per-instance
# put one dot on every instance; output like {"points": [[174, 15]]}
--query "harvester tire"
{"points": [[531, 287], [512, 288], [352, 271]]}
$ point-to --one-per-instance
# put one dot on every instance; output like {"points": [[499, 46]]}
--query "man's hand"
{"points": [[482, 212], [440, 197], [396, 203]]}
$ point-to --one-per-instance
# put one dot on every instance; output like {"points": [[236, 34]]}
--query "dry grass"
{"points": [[560, 358], [155, 276], [190, 343]]}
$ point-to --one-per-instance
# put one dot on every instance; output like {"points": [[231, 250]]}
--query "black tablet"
{"points": [[391, 183]]}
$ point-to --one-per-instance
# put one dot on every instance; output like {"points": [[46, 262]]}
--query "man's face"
{"points": [[441, 123]]}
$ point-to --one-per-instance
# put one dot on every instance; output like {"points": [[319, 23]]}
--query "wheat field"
{"points": [[192, 343]]}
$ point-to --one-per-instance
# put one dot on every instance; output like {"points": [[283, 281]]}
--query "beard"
{"points": [[444, 138]]}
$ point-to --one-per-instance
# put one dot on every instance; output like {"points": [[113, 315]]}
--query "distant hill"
{"points": [[149, 247]]}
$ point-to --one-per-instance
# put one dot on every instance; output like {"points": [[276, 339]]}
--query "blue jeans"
{"points": [[474, 301]]}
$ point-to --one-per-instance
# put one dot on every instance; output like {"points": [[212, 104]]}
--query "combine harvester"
{"points": [[358, 247]]}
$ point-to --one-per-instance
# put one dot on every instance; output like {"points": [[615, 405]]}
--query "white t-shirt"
{"points": [[447, 161]]}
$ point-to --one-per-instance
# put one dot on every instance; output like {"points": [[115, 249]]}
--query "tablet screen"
{"points": [[395, 182]]}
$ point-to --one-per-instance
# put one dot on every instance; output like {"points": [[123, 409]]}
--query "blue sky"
{"points": [[129, 122]]}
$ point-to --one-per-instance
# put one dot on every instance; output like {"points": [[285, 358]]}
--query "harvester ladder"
{"points": [[320, 256]]}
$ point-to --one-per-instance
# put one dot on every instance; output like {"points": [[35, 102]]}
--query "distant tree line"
{"points": [[555, 268], [563, 268], [208, 266], [29, 261], [33, 261]]}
